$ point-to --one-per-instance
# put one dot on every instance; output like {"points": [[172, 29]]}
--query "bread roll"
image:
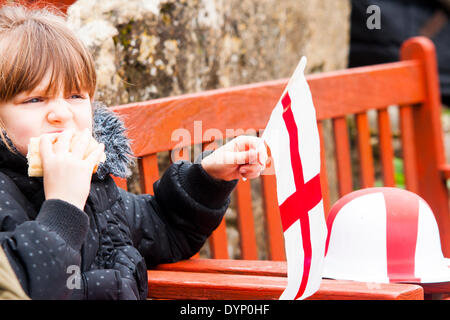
{"points": [[34, 157]]}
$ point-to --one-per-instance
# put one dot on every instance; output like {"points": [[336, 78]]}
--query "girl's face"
{"points": [[30, 114]]}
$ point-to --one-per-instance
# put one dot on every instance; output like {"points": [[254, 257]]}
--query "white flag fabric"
{"points": [[293, 138]]}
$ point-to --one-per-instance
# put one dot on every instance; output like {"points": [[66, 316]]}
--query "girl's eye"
{"points": [[76, 96], [34, 100]]}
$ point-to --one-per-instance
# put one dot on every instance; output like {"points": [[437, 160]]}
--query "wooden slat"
{"points": [[184, 154], [151, 123], [191, 285], [120, 182], [180, 154], [356, 90], [445, 170], [367, 177], [409, 152], [437, 287], [218, 242], [354, 290], [323, 172], [229, 266], [386, 149], [210, 286], [272, 219], [148, 169], [274, 231], [261, 268], [343, 162], [245, 220]]}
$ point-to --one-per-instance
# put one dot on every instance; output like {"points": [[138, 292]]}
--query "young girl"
{"points": [[71, 234]]}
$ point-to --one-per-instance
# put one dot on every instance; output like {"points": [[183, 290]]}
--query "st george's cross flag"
{"points": [[293, 138]]}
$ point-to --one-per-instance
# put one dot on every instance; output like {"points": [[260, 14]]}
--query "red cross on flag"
{"points": [[293, 138]]}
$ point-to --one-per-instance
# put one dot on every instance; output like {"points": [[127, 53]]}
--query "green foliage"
{"points": [[446, 111], [124, 37], [399, 175]]}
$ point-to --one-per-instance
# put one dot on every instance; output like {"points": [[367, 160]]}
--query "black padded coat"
{"points": [[60, 252]]}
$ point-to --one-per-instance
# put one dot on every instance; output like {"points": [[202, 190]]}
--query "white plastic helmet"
{"points": [[384, 235]]}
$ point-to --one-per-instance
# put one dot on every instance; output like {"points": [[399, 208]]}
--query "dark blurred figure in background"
{"points": [[375, 42]]}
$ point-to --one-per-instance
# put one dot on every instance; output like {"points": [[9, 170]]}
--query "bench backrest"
{"points": [[411, 84]]}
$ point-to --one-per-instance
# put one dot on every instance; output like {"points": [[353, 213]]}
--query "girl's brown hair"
{"points": [[34, 42]]}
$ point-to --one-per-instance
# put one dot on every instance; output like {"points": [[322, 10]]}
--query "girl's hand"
{"points": [[242, 157], [66, 175]]}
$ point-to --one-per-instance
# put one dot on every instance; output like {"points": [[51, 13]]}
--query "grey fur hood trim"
{"points": [[107, 128]]}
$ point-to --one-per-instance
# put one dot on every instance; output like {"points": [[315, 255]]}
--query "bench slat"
{"points": [[245, 220], [386, 149], [323, 171], [229, 266], [180, 154], [409, 152], [210, 286], [148, 168], [357, 90], [445, 169], [260, 268], [343, 162], [274, 231], [218, 243], [367, 176], [120, 182], [190, 285]]}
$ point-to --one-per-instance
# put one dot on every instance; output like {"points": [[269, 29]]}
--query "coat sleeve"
{"points": [[187, 206], [41, 251]]}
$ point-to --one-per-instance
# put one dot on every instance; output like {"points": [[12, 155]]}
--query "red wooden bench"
{"points": [[411, 84], [257, 280]]}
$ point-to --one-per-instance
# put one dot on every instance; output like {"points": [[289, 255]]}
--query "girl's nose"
{"points": [[59, 112]]}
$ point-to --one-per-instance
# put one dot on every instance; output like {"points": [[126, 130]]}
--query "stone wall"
{"points": [[146, 49]]}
